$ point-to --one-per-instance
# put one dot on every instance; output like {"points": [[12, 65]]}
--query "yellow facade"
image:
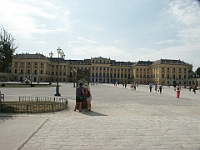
{"points": [[39, 68]]}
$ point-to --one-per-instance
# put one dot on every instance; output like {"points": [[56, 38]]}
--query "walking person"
{"points": [[156, 87], [150, 87], [190, 87], [131, 86], [178, 91], [79, 97], [134, 86], [125, 85], [174, 87], [160, 88], [194, 88]]}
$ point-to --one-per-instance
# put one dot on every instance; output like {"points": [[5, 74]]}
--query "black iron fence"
{"points": [[34, 105]]}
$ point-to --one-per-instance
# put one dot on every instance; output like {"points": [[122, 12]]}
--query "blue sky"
{"points": [[124, 30]]}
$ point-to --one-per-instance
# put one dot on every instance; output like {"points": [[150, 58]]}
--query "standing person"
{"points": [[150, 86], [156, 87], [125, 85], [79, 97], [194, 88], [89, 96], [160, 88], [178, 91]]}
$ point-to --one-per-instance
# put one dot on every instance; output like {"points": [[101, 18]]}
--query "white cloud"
{"points": [[41, 42], [86, 40], [190, 54], [186, 15], [167, 41], [32, 17], [104, 51]]}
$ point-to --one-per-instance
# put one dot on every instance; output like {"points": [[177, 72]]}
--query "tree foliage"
{"points": [[7, 49], [198, 71]]}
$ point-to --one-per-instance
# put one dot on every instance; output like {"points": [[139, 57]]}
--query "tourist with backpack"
{"points": [[79, 97]]}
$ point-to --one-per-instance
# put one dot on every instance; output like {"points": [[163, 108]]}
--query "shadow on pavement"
{"points": [[93, 113], [5, 118]]}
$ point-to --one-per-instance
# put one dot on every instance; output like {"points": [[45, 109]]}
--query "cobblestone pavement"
{"points": [[121, 119]]}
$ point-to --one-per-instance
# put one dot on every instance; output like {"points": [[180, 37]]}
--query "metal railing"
{"points": [[34, 105], [36, 99]]}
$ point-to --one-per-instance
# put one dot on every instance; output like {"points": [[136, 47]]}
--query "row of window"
{"points": [[111, 75], [163, 69], [28, 63], [100, 61], [104, 68], [28, 71], [101, 68]]}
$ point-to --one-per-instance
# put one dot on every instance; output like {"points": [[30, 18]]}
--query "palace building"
{"points": [[39, 68]]}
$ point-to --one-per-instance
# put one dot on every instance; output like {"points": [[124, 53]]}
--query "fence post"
{"points": [[52, 107], [26, 108]]}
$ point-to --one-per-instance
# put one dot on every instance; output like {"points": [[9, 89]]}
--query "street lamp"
{"points": [[61, 53], [74, 77]]}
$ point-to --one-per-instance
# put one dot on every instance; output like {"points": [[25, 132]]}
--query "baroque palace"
{"points": [[39, 68]]}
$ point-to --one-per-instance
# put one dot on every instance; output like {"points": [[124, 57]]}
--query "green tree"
{"points": [[7, 49], [198, 71]]}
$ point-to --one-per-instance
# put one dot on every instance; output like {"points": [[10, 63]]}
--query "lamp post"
{"points": [[61, 53], [74, 77]]}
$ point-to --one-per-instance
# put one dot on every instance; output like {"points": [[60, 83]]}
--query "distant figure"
{"points": [[194, 88], [190, 87], [160, 88], [178, 90], [156, 87], [150, 87], [134, 86], [131, 86], [174, 87], [125, 85]]}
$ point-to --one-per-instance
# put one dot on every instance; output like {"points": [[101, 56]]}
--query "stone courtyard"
{"points": [[121, 119]]}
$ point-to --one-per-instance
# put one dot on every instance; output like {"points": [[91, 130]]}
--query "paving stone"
{"points": [[120, 119]]}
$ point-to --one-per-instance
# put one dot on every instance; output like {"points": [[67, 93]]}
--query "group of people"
{"points": [[133, 86], [158, 87], [83, 93]]}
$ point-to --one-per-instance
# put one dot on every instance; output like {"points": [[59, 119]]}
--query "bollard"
{"points": [[178, 93]]}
